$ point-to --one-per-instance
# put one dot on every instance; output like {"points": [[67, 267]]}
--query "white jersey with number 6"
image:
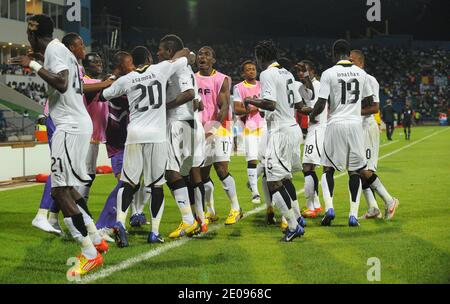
{"points": [[277, 84], [146, 92], [346, 85]]}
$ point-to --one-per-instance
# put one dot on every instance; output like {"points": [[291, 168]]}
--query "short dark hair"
{"points": [[360, 55], [119, 57], [140, 55], [245, 63], [310, 64], [341, 47], [267, 50], [209, 48], [88, 58], [41, 25], [172, 42], [69, 39]]}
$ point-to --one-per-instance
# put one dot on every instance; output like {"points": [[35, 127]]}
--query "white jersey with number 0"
{"points": [[376, 98], [277, 84], [345, 85], [67, 109], [146, 92]]}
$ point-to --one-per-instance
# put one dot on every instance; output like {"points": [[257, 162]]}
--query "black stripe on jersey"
{"points": [[317, 147], [326, 154], [70, 163], [142, 69]]}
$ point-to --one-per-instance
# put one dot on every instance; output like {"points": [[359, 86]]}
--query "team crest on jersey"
{"points": [[204, 91]]}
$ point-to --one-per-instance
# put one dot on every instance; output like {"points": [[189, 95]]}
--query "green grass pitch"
{"points": [[412, 248]]}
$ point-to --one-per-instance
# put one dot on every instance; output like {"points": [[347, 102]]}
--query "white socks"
{"points": [[309, 192], [209, 196], [370, 198], [354, 206], [156, 221], [230, 189], [253, 180], [91, 228], [327, 198], [287, 213], [378, 187], [87, 247], [141, 197], [42, 213], [181, 196], [199, 204]]}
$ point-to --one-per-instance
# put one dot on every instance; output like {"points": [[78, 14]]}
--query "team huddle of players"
{"points": [[164, 124]]}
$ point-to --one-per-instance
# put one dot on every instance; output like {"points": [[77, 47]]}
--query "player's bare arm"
{"points": [[369, 107], [58, 81], [264, 104], [240, 109], [318, 109], [97, 87], [182, 53], [181, 99], [224, 101]]}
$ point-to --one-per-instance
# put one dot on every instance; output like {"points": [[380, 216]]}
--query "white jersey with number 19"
{"points": [[346, 85], [146, 92], [67, 109]]}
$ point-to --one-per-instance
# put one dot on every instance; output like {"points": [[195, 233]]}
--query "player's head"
{"points": [[93, 64], [357, 57], [168, 46], [122, 63], [206, 58], [265, 53], [310, 68], [141, 56], [248, 70], [39, 28], [75, 44], [341, 50], [285, 63]]}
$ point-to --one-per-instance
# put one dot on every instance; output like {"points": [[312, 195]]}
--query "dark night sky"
{"points": [[424, 19]]}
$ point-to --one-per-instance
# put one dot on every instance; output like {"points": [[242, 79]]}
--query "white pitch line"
{"points": [[174, 244]]}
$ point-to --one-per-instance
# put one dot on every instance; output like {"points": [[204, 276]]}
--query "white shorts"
{"points": [[282, 156], [186, 146], [68, 159], [91, 160], [252, 143], [218, 149], [262, 146], [313, 149], [371, 145], [343, 147], [149, 159]]}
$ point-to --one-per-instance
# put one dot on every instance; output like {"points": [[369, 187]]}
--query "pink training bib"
{"points": [[254, 120], [98, 111], [209, 89]]}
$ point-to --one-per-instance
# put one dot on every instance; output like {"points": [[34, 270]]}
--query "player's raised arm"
{"points": [[89, 88], [187, 91], [59, 81], [371, 105], [224, 101], [324, 93], [117, 89]]}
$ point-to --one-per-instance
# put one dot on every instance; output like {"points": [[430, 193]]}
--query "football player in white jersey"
{"points": [[345, 86], [371, 144], [146, 146], [71, 139], [180, 134], [313, 148], [280, 99]]}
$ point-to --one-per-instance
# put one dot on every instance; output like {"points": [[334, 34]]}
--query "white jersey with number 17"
{"points": [[346, 85], [146, 92]]}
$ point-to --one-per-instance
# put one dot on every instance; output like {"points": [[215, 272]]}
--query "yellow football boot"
{"points": [[284, 224], [233, 217], [184, 229], [85, 265], [211, 218]]}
